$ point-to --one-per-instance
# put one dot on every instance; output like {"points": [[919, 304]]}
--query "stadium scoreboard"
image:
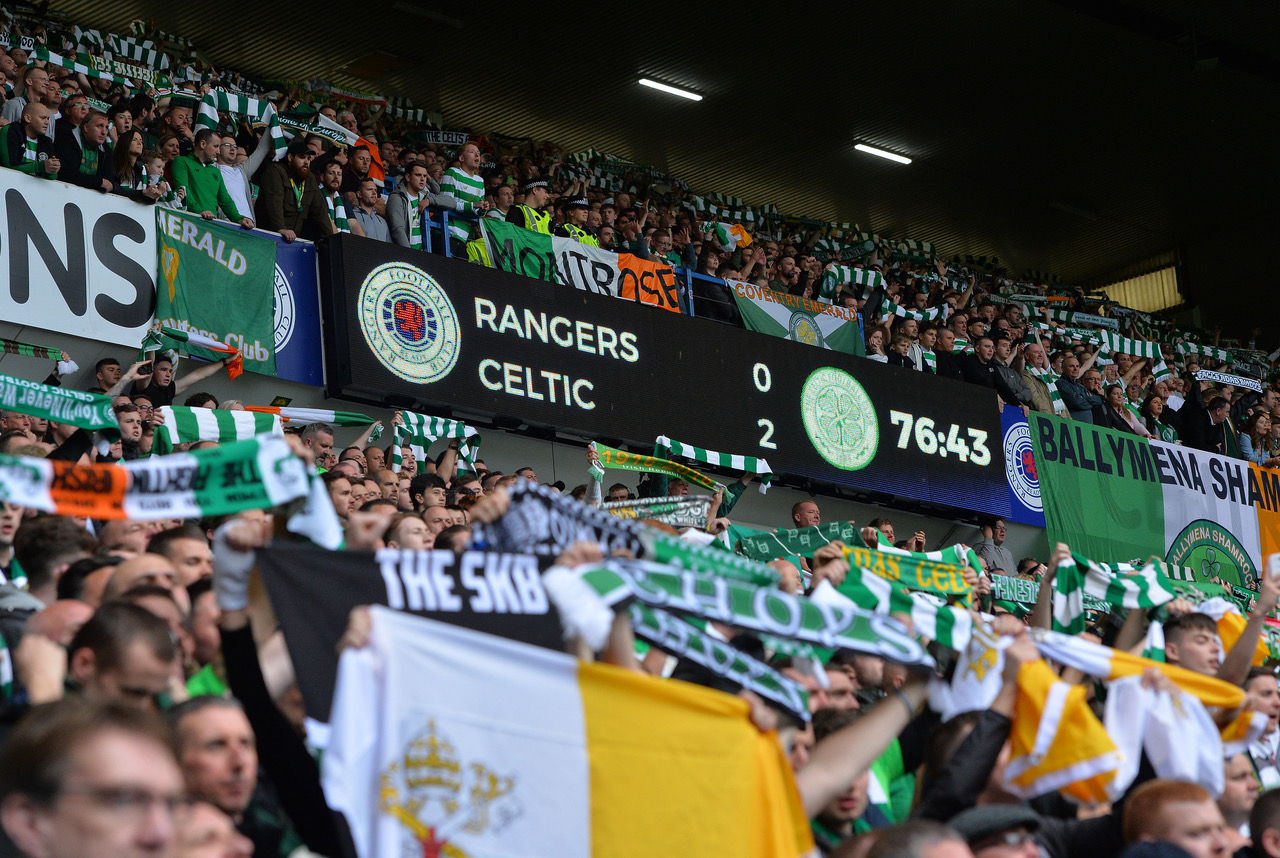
{"points": [[407, 326]]}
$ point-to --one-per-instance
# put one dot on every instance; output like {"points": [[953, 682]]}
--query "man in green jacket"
{"points": [[199, 174]]}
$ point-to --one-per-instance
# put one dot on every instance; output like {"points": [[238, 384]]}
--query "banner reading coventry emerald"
{"points": [[565, 261], [798, 319], [1114, 495], [218, 281]]}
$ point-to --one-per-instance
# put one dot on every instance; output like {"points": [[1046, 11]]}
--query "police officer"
{"points": [[574, 212], [530, 214]]}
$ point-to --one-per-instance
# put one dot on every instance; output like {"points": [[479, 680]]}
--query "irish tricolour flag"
{"points": [[426, 753], [156, 339], [799, 319], [1118, 498]]}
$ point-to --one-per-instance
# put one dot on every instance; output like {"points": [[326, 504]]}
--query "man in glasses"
{"points": [[237, 176], [289, 201], [84, 779], [999, 830], [199, 174]]}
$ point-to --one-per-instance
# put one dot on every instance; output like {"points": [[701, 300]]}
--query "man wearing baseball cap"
{"points": [[999, 830]]}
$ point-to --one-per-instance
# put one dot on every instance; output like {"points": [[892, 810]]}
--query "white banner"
{"points": [[78, 262], [1210, 523]]}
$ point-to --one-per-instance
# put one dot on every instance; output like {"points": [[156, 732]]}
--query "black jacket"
{"points": [[958, 785], [70, 153], [977, 372], [15, 141], [949, 365], [1198, 430]]}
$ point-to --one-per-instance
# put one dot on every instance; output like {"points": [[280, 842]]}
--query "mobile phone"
{"points": [[145, 369]]}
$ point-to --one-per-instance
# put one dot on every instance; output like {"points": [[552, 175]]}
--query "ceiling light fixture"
{"points": [[881, 153], [430, 15], [671, 90]]}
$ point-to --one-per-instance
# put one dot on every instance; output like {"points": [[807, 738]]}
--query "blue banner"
{"points": [[1025, 503], [299, 356]]}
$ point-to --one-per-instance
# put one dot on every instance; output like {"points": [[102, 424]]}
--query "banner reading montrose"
{"points": [[565, 261]]}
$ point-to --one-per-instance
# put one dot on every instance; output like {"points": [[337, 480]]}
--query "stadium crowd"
{"points": [[150, 705]]}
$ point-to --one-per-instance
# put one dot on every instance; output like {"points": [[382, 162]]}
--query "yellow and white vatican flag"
{"points": [[1057, 743], [447, 741]]}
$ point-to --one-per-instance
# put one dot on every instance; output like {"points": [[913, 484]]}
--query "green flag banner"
{"points": [[59, 404], [757, 609], [798, 319], [218, 281], [802, 542]]}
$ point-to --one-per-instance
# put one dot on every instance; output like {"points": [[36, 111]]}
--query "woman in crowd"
{"points": [[875, 345], [1152, 412], [127, 174], [711, 300], [1118, 415], [1254, 439]]}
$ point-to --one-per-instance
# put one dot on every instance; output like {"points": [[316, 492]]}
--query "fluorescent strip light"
{"points": [[662, 87], [871, 150]]}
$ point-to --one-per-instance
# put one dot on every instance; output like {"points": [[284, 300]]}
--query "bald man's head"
{"points": [[147, 569], [35, 119], [60, 621]]}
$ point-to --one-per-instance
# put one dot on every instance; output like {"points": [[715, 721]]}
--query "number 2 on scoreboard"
{"points": [[767, 425]]}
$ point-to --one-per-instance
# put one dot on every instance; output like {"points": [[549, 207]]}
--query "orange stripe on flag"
{"points": [[94, 491]]}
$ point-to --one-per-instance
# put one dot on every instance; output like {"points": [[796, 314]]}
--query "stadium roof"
{"points": [[1074, 137]]}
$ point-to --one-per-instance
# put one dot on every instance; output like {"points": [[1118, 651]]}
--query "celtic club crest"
{"points": [[839, 419]]}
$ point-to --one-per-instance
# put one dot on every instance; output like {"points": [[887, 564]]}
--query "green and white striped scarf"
{"points": [[949, 625], [1121, 585], [1050, 379], [420, 431], [469, 190], [844, 275], [43, 55], [139, 28], [930, 359], [1070, 317], [415, 222], [144, 53], [1124, 345], [929, 314], [664, 448], [1188, 348], [337, 211], [1160, 371], [13, 347], [184, 425], [221, 101], [962, 346]]}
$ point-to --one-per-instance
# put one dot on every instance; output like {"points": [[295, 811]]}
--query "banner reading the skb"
{"points": [[218, 280], [563, 260], [794, 318], [1113, 495]]}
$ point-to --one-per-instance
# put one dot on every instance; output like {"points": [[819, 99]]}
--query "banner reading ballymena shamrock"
{"points": [[798, 319], [218, 280]]}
